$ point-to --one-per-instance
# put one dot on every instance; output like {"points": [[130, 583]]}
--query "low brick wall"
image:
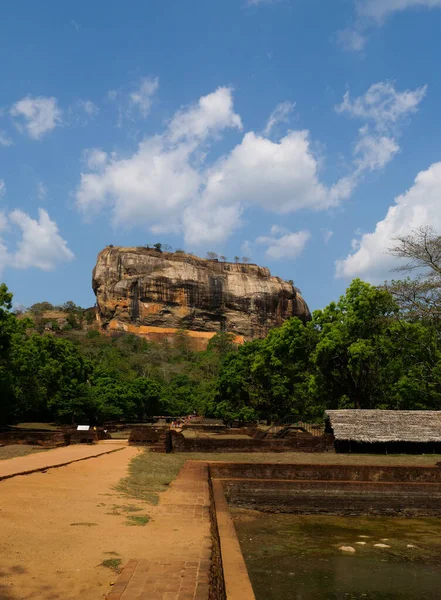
{"points": [[46, 439], [158, 439], [332, 489], [301, 442], [307, 472], [203, 428], [336, 498], [217, 582]]}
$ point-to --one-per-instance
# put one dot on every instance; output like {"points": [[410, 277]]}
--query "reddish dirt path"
{"points": [[53, 458], [44, 556], [175, 564]]}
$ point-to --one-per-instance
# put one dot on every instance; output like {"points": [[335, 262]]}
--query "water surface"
{"points": [[297, 557]]}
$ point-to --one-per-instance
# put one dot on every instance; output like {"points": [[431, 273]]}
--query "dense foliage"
{"points": [[360, 352]]}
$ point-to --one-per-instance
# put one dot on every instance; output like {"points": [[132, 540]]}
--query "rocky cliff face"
{"points": [[149, 293]]}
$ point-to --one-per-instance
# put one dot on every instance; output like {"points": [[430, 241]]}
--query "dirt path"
{"points": [[54, 458], [57, 527]]}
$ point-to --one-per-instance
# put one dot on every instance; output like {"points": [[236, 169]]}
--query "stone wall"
{"points": [[305, 472], [46, 439], [301, 442], [332, 489], [157, 439]]}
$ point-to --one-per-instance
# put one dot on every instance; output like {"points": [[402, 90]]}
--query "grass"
{"points": [[84, 524], [119, 509], [140, 520], [120, 435], [112, 563], [15, 450], [47, 426], [151, 473]]}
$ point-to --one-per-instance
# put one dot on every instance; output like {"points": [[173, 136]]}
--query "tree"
{"points": [[167, 248], [158, 247], [40, 307], [245, 259], [223, 258], [212, 255], [419, 297], [236, 259]]}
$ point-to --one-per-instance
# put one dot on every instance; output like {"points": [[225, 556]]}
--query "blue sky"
{"points": [[304, 134]]}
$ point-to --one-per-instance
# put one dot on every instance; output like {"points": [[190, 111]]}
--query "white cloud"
{"points": [[209, 116], [418, 207], [380, 9], [95, 158], [168, 183], [41, 190], [37, 115], [327, 235], [287, 245], [351, 39], [371, 13], [383, 104], [89, 108], [386, 109], [279, 115], [40, 244], [373, 152], [142, 97], [5, 140], [255, 2], [2, 187]]}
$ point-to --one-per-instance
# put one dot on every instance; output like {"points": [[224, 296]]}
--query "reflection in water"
{"points": [[292, 557]]}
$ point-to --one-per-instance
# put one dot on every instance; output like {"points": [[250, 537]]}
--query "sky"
{"points": [[302, 134]]}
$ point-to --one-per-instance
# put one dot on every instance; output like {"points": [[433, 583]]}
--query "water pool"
{"points": [[298, 557]]}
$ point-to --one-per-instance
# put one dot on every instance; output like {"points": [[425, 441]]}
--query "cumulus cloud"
{"points": [[169, 183], [39, 243], [418, 207], [36, 116], [282, 244], [5, 140], [142, 97], [279, 115], [209, 116]]}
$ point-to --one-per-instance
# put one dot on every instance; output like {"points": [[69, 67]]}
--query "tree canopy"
{"points": [[366, 350]]}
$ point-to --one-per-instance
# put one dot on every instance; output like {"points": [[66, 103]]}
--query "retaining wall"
{"points": [[300, 442], [332, 489], [46, 439]]}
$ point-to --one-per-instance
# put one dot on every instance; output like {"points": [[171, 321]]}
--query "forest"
{"points": [[376, 347]]}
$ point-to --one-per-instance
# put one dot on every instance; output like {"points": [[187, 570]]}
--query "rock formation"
{"points": [[151, 293]]}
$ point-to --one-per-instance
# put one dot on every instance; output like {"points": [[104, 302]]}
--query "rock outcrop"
{"points": [[143, 291]]}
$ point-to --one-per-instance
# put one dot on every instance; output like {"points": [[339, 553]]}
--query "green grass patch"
{"points": [[15, 450], [150, 474], [112, 563], [83, 524], [140, 520], [120, 435], [45, 426]]}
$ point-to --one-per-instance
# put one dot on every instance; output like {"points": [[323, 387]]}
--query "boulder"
{"points": [[157, 294]]}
